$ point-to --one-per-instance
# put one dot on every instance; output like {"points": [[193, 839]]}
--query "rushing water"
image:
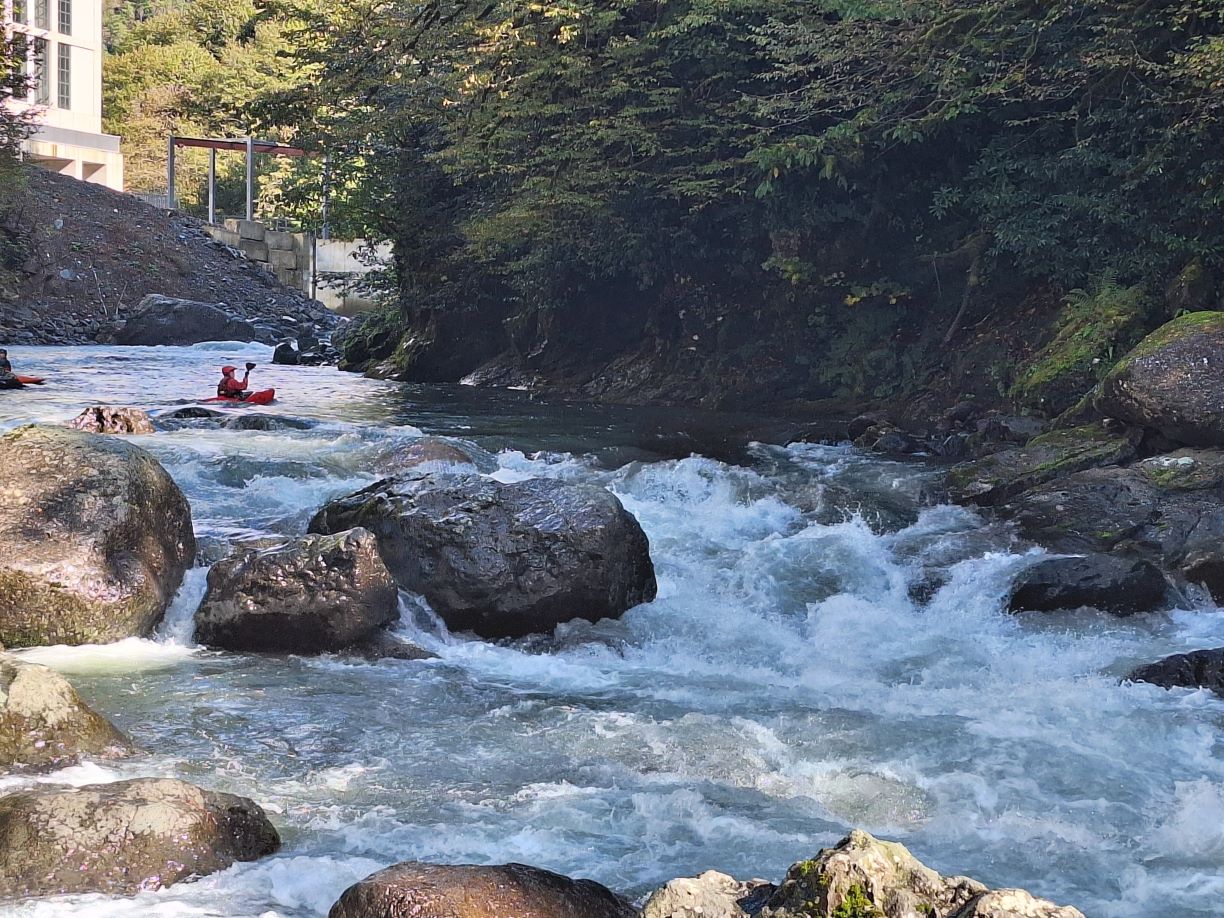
{"points": [[827, 651]]}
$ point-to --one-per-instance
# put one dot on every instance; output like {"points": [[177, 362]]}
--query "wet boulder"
{"points": [[316, 594], [45, 725], [711, 895], [104, 420], [503, 560], [94, 538], [124, 837], [415, 890], [864, 876], [995, 478], [1173, 381], [1197, 669], [285, 354], [166, 320], [1123, 586]]}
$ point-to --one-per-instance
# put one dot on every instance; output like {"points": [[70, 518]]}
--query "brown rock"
{"points": [[415, 890], [104, 420]]}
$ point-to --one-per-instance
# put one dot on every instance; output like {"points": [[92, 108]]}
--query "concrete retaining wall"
{"points": [[327, 269]]}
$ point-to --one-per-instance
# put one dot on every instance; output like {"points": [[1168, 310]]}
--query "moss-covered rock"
{"points": [[1193, 290], [1093, 330], [94, 538], [864, 877], [124, 837], [995, 478], [1173, 381], [44, 724]]}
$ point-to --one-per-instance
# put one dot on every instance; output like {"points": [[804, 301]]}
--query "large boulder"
{"points": [[1173, 381], [101, 419], [997, 477], [434, 453], [1110, 583], [415, 890], [1197, 669], [710, 895], [94, 538], [166, 320], [503, 560], [124, 837], [864, 877], [316, 594], [45, 725]]}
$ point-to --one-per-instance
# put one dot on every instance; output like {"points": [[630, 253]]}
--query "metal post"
{"points": [[250, 177], [170, 174], [326, 230], [212, 186]]}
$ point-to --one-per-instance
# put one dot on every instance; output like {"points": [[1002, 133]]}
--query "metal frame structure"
{"points": [[249, 145]]}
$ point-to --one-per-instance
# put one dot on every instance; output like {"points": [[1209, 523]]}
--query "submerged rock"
{"points": [[45, 725], [436, 451], [1123, 586], [124, 837], [992, 480], [415, 890], [315, 594], [1173, 381], [864, 877], [94, 538], [285, 354], [503, 560], [1198, 669], [165, 320], [101, 419], [265, 422], [711, 895]]}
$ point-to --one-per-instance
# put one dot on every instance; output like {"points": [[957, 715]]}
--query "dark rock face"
{"points": [[94, 538], [441, 451], [1105, 582], [503, 560], [317, 594], [991, 480], [45, 725], [415, 890], [1200, 669], [101, 419], [1173, 381], [166, 320], [124, 837]]}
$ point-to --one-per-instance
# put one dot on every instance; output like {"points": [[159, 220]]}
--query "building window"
{"points": [[63, 76], [65, 17], [21, 51], [42, 14], [41, 77], [19, 12]]}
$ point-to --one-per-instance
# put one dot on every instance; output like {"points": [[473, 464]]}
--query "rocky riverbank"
{"points": [[90, 257]]}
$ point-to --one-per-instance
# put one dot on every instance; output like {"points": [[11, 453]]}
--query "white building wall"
{"points": [[69, 140]]}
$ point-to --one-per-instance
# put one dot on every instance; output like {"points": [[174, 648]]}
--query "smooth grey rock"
{"points": [[165, 320]]}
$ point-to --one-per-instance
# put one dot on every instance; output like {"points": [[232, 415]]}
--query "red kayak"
{"points": [[262, 397], [31, 380]]}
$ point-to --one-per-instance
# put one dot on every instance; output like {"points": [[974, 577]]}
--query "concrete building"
{"points": [[64, 43]]}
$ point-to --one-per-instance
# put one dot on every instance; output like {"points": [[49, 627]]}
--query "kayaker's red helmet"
{"points": [[228, 371]]}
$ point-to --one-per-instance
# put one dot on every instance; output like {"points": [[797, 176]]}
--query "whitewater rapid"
{"points": [[828, 650]]}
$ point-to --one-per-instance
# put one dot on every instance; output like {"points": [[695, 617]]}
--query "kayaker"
{"points": [[231, 386], [7, 379]]}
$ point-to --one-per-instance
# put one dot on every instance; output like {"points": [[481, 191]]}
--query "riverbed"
{"points": [[828, 650]]}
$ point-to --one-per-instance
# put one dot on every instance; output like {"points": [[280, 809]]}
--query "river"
{"points": [[828, 650]]}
